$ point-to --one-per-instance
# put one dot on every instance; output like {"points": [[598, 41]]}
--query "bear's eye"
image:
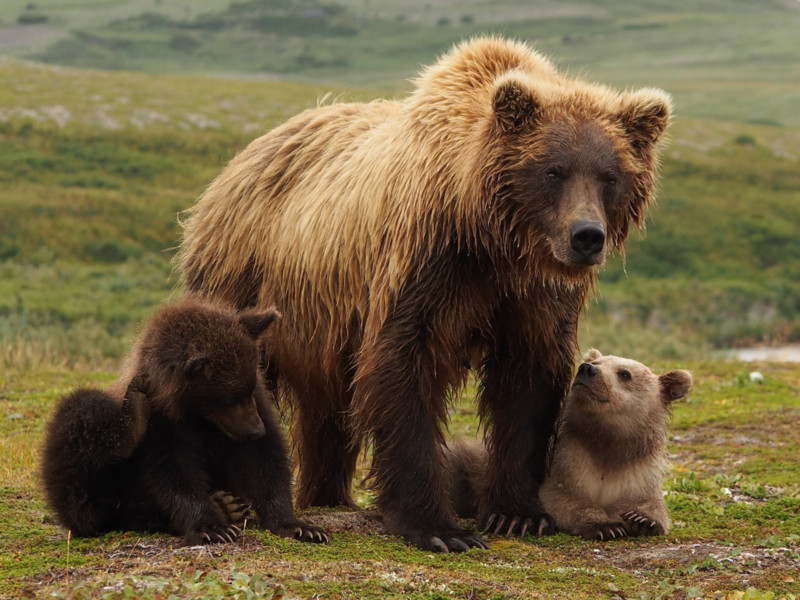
{"points": [[624, 374], [553, 174], [611, 180]]}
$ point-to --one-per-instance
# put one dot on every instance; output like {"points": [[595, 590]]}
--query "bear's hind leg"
{"points": [[327, 456], [400, 399], [83, 467]]}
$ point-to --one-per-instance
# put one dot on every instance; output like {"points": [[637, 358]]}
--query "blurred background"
{"points": [[115, 115]]}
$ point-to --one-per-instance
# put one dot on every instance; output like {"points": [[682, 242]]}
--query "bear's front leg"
{"points": [[399, 401], [523, 383]]}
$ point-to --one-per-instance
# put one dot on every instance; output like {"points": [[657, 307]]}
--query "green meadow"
{"points": [[114, 116]]}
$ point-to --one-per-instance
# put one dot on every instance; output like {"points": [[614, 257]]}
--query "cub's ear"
{"points": [[194, 363], [645, 115], [514, 104], [256, 322], [591, 355], [675, 384]]}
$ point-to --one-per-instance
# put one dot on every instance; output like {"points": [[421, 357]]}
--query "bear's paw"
{"points": [[502, 524], [640, 524]]}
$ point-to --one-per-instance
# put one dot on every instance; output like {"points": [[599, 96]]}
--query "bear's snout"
{"points": [[589, 384], [587, 239], [588, 370]]}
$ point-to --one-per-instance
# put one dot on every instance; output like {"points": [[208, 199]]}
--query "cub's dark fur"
{"points": [[189, 416]]}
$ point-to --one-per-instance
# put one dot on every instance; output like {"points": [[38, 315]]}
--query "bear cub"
{"points": [[189, 417], [604, 480]]}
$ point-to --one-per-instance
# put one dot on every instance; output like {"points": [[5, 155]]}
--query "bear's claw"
{"points": [[544, 525], [235, 509], [445, 541], [604, 531], [461, 543], [308, 533], [213, 534], [641, 524]]}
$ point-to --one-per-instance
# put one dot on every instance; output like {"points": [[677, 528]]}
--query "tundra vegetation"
{"points": [[97, 165]]}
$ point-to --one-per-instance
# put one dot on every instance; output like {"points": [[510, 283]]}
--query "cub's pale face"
{"points": [[611, 385]]}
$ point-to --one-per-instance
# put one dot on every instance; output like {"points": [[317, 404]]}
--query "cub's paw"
{"points": [[640, 524], [135, 415], [137, 389], [450, 540], [603, 531], [236, 510], [212, 534], [503, 524]]}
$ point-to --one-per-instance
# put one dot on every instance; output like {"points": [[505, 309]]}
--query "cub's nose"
{"points": [[587, 238], [588, 370]]}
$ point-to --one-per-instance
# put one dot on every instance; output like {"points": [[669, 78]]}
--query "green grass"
{"points": [[97, 166], [735, 506]]}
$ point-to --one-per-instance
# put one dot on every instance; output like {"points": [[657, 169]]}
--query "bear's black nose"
{"points": [[588, 370], [587, 238]]}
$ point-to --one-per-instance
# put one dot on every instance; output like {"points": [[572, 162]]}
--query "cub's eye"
{"points": [[611, 180], [553, 174], [624, 375]]}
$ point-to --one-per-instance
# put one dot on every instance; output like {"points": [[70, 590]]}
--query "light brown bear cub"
{"points": [[604, 480]]}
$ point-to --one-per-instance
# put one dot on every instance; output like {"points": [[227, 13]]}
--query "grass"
{"points": [[732, 491], [97, 166]]}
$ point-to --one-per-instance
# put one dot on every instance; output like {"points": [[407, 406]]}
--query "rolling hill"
{"points": [[99, 159]]}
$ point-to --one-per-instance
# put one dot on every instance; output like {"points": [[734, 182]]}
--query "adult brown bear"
{"points": [[403, 239]]}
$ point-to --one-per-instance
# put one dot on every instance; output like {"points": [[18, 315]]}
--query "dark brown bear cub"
{"points": [[190, 415]]}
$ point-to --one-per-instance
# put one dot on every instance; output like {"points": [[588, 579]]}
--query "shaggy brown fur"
{"points": [[403, 238], [608, 462], [189, 416]]}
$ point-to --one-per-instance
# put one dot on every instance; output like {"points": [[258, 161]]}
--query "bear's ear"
{"points": [[645, 115], [194, 363], [256, 322], [675, 384], [591, 355], [514, 105]]}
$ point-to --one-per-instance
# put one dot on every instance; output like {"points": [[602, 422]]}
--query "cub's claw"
{"points": [[640, 524], [234, 508], [604, 531]]}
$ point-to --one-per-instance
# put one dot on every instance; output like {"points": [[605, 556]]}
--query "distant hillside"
{"points": [[732, 59], [97, 165]]}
